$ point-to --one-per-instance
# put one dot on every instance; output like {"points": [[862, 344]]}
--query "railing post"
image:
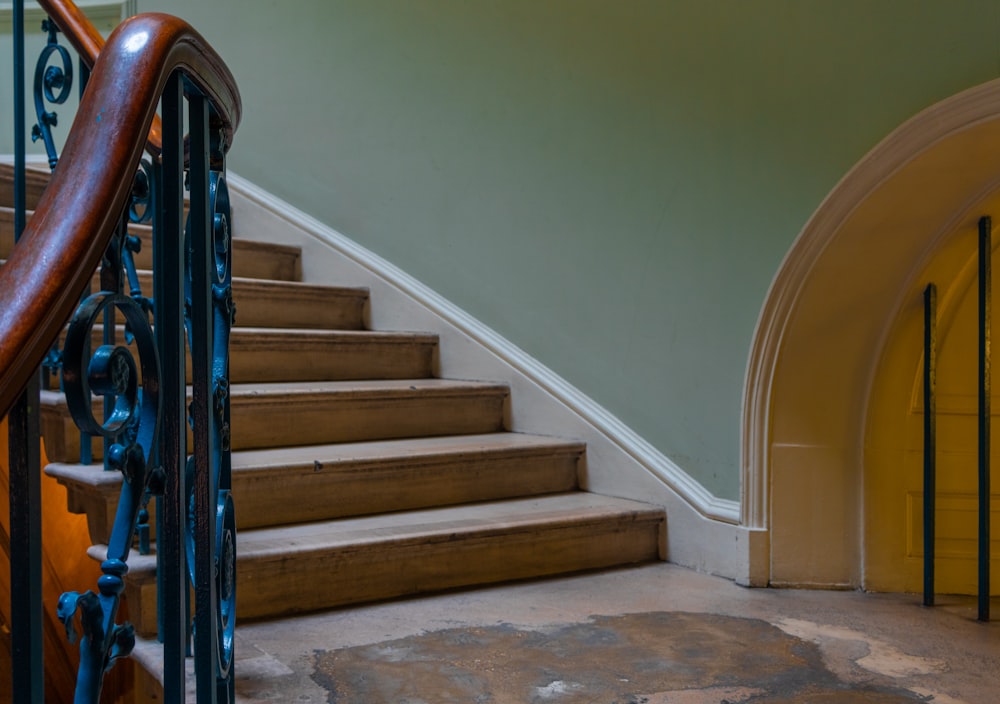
{"points": [[168, 257], [930, 438], [28, 672], [26, 548], [210, 318], [985, 309], [203, 521]]}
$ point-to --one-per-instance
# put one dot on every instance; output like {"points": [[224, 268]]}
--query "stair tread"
{"points": [[446, 523], [368, 387], [248, 334], [363, 387], [242, 247], [306, 335], [494, 517], [266, 285], [288, 413], [408, 450]]}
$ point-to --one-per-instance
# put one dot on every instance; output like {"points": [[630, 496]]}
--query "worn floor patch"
{"points": [[645, 658]]}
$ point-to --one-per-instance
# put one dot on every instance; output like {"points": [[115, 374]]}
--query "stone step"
{"points": [[318, 412], [322, 482], [327, 564], [276, 303], [251, 259], [36, 178], [263, 354], [273, 355], [264, 303], [287, 304]]}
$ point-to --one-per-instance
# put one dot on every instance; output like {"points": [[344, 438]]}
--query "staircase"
{"points": [[359, 476]]}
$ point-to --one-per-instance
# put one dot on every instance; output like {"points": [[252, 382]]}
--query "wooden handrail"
{"points": [[47, 271], [88, 42]]}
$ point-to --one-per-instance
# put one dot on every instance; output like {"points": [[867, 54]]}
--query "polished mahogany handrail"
{"points": [[88, 42], [41, 284]]}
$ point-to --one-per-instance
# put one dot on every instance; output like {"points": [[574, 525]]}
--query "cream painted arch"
{"points": [[824, 322]]}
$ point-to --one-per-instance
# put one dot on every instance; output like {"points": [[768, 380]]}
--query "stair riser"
{"points": [[35, 181], [285, 421], [333, 361], [379, 571], [263, 304], [304, 494], [273, 359], [250, 259], [260, 423], [258, 305]]}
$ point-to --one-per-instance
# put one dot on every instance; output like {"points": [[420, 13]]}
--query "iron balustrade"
{"points": [[984, 301], [149, 59], [985, 309], [930, 438]]}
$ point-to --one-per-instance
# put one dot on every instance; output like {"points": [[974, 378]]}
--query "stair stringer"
{"points": [[703, 532]]}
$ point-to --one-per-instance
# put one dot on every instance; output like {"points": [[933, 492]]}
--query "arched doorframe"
{"points": [[823, 325]]}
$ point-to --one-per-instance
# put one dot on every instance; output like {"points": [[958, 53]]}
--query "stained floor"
{"points": [[649, 635], [631, 659]]}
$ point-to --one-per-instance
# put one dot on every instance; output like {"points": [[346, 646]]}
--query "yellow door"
{"points": [[894, 439]]}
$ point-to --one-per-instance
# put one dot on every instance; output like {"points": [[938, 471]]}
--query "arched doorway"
{"points": [[894, 438], [846, 290]]}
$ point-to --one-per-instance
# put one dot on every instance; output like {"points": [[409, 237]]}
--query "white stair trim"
{"points": [[704, 530]]}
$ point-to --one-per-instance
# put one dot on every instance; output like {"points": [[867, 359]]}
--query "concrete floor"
{"points": [[648, 635]]}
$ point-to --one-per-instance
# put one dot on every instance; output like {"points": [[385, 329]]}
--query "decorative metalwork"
{"points": [[223, 316], [131, 428], [53, 84], [142, 415]]}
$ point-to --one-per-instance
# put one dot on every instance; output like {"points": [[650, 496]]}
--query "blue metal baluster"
{"points": [[130, 433], [48, 80], [204, 504], [132, 429], [224, 313], [25, 460], [168, 281], [140, 212], [54, 84]]}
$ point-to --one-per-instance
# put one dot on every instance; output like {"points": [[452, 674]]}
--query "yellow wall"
{"points": [[894, 444]]}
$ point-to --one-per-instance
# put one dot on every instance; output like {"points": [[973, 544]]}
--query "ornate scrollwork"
{"points": [[112, 372], [225, 552], [223, 317], [131, 428], [52, 84], [225, 523]]}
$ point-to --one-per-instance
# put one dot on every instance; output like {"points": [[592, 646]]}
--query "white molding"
{"points": [[931, 142], [100, 12], [661, 466], [917, 136]]}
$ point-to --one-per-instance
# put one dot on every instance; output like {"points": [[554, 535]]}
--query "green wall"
{"points": [[610, 185]]}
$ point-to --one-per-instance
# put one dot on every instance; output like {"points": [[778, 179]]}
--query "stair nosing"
{"points": [[372, 530], [357, 533]]}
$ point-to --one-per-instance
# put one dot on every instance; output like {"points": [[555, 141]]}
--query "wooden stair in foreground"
{"points": [[359, 476]]}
